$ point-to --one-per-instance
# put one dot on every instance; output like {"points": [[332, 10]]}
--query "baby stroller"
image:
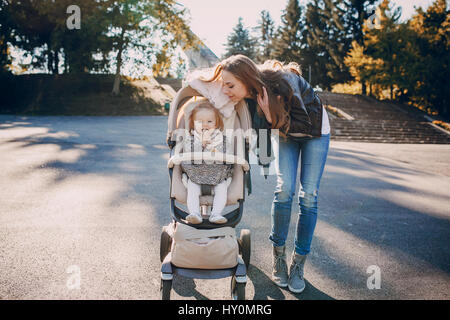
{"points": [[240, 119]]}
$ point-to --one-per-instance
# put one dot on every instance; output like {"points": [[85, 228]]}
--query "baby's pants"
{"points": [[193, 194]]}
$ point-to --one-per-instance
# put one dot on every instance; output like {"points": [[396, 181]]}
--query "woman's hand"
{"points": [[263, 103]]}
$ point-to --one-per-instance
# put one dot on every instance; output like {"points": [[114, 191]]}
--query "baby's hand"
{"points": [[206, 140], [207, 134]]}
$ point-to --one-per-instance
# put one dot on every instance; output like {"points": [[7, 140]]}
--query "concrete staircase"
{"points": [[377, 121]]}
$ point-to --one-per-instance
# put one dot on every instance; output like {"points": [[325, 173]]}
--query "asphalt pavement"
{"points": [[83, 201]]}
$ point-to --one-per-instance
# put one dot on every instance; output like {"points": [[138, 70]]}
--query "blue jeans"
{"points": [[313, 157]]}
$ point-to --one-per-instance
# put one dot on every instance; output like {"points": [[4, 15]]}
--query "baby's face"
{"points": [[204, 119]]}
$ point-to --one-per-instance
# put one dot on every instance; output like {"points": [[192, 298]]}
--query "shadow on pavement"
{"points": [[186, 287], [362, 204], [265, 289]]}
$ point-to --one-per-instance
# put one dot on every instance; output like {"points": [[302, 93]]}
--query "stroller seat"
{"points": [[235, 129]]}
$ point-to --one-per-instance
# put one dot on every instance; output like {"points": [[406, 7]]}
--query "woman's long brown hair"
{"points": [[272, 71], [268, 75]]}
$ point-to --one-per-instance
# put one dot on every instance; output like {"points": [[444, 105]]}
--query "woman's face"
{"points": [[233, 88]]}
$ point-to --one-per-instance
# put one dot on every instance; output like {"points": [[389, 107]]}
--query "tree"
{"points": [[5, 37], [87, 49], [266, 30], [362, 67], [382, 55], [410, 59], [331, 26], [328, 36], [429, 70], [137, 31], [359, 12], [385, 42], [240, 42], [386, 52], [181, 67], [33, 28], [287, 45], [141, 25], [39, 28]]}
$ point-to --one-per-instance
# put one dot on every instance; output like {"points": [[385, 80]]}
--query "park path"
{"points": [[84, 198]]}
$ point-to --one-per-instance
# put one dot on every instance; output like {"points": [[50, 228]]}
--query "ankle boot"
{"points": [[296, 282], [279, 271]]}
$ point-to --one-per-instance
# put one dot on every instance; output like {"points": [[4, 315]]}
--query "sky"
{"points": [[213, 20]]}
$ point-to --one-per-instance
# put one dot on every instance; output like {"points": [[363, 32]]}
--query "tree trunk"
{"points": [[50, 60], [116, 86], [56, 62], [66, 65], [364, 88]]}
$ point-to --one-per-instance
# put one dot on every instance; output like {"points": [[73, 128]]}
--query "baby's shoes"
{"points": [[194, 218], [217, 218]]}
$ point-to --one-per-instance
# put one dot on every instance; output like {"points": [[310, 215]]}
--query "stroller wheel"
{"points": [[166, 287], [237, 289], [166, 242], [245, 246]]}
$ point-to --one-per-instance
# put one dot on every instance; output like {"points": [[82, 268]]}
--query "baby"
{"points": [[205, 128]]}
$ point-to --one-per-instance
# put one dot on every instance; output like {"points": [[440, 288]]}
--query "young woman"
{"points": [[279, 98]]}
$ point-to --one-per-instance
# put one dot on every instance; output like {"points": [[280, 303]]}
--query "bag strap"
{"points": [[192, 146], [224, 144]]}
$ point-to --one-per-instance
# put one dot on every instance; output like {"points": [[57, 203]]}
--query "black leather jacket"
{"points": [[305, 112], [306, 109]]}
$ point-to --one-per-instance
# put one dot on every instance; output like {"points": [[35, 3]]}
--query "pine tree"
{"points": [[287, 45], [332, 25], [358, 12], [384, 42], [266, 30], [241, 42], [328, 37]]}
